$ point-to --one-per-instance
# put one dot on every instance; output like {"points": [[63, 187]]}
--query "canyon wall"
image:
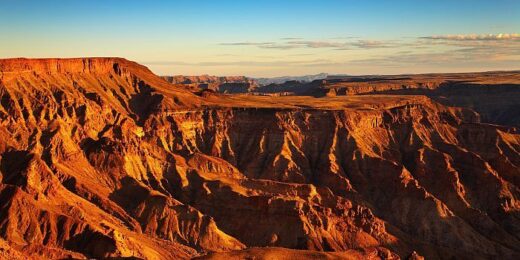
{"points": [[494, 95], [105, 159]]}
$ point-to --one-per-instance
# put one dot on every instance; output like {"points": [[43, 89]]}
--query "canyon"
{"points": [[494, 95], [101, 158]]}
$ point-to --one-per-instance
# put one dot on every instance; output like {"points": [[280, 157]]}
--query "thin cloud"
{"points": [[344, 37], [279, 46], [300, 44], [316, 44], [436, 51], [371, 44], [477, 46], [459, 40], [226, 55], [265, 45], [476, 37], [246, 43]]}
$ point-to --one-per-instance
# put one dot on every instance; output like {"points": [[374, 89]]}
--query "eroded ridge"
{"points": [[101, 158]]}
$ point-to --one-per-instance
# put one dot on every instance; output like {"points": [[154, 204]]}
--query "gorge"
{"points": [[100, 158]]}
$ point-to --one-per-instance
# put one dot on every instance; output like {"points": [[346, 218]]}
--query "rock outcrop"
{"points": [[101, 158]]}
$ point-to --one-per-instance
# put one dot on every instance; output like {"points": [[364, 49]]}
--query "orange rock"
{"points": [[101, 158]]}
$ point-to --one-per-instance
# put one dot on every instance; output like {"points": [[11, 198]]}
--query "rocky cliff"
{"points": [[101, 158], [494, 95]]}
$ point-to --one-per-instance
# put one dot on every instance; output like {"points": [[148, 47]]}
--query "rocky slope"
{"points": [[101, 158]]}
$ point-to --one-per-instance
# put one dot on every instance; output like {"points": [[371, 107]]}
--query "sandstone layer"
{"points": [[101, 158]]}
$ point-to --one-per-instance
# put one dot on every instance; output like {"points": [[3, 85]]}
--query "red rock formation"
{"points": [[101, 158]]}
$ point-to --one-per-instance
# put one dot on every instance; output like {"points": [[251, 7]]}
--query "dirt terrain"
{"points": [[101, 158]]}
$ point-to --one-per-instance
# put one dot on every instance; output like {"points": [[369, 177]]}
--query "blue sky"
{"points": [[270, 38]]}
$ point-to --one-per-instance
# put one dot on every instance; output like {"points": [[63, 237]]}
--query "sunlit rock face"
{"points": [[102, 158]]}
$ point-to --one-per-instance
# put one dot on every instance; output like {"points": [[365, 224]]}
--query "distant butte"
{"points": [[101, 158]]}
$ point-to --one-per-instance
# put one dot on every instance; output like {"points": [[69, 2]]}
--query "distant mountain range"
{"points": [[281, 80], [254, 82], [227, 84], [242, 84]]}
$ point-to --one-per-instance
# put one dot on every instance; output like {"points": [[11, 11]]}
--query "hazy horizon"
{"points": [[271, 38]]}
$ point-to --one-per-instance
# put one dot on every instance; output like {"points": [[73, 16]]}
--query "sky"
{"points": [[270, 38]]}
